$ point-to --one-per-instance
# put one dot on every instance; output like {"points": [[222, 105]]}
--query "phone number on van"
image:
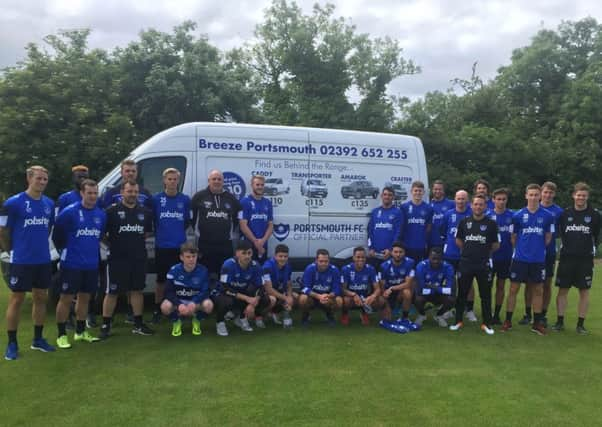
{"points": [[325, 150]]}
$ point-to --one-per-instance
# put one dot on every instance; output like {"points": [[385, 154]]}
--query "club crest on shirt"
{"points": [[163, 201], [483, 227], [180, 205], [27, 206], [121, 214], [207, 204], [47, 210], [227, 205], [587, 219], [525, 217], [97, 220], [469, 225], [540, 220], [140, 217]]}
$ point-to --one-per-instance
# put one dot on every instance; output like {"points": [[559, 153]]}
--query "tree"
{"points": [[61, 108], [307, 64]]}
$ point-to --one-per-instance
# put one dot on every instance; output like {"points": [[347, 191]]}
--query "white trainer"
{"points": [[243, 324], [229, 316], [456, 327], [287, 322], [448, 315], [488, 330], [220, 328], [470, 316], [259, 323], [419, 319], [441, 321], [276, 319]]}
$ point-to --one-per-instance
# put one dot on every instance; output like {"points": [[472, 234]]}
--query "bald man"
{"points": [[215, 213]]}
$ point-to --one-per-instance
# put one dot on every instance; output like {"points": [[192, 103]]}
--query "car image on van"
{"points": [[314, 188], [359, 190], [275, 187], [400, 193]]}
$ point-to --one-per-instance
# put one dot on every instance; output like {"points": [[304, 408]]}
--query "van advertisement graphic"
{"points": [[310, 197]]}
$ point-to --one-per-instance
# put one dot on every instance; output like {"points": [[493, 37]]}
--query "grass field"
{"points": [[321, 376]]}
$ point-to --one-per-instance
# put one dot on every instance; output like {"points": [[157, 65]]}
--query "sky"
{"points": [[443, 37]]}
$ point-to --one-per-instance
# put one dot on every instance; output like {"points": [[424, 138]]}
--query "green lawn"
{"points": [[320, 376]]}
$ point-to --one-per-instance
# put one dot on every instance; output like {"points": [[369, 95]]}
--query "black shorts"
{"points": [[527, 272], [550, 264], [416, 254], [75, 281], [25, 277], [501, 268], [213, 256], [165, 258], [126, 275], [575, 271]]}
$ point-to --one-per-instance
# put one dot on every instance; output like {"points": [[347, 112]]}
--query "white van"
{"points": [[301, 157]]}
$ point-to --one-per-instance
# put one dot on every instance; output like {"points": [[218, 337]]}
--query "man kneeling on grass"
{"points": [[187, 291], [240, 290], [434, 284], [321, 288], [360, 287]]}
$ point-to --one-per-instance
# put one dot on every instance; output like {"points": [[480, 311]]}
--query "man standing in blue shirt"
{"points": [[187, 291], [78, 174], [256, 218], [278, 284], [440, 205], [321, 288], [384, 228], [533, 227], [396, 276], [435, 283], [129, 172], [503, 256], [240, 290], [418, 218], [77, 234], [171, 214], [360, 287], [25, 223]]}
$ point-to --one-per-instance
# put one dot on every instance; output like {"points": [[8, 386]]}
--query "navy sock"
{"points": [[12, 336], [37, 332]]}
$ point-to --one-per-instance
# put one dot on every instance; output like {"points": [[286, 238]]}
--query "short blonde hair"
{"points": [[170, 170], [36, 168]]}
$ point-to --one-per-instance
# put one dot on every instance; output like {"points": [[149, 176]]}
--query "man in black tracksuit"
{"points": [[579, 230], [214, 216], [477, 237]]}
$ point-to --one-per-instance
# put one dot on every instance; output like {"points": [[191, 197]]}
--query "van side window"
{"points": [[150, 171]]}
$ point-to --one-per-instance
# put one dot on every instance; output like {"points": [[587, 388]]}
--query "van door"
{"points": [[279, 154]]}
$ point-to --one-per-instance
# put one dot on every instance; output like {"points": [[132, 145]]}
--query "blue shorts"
{"points": [[550, 264], [501, 268], [25, 277], [527, 272], [75, 281]]}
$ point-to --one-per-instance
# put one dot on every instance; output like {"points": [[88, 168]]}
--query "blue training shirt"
{"points": [[78, 232], [257, 213], [241, 280], [361, 282], [183, 286], [321, 282], [417, 218], [279, 277], [504, 226], [67, 199], [530, 229], [440, 207], [30, 222], [430, 281], [384, 227], [556, 211], [448, 229], [393, 274], [171, 216]]}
